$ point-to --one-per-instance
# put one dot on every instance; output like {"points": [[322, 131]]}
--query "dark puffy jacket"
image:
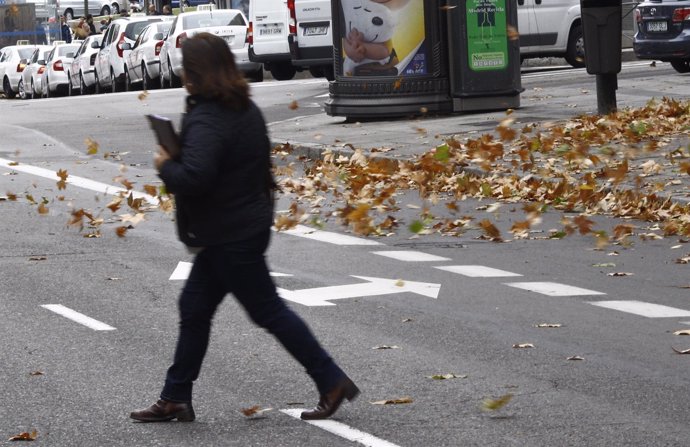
{"points": [[222, 180]]}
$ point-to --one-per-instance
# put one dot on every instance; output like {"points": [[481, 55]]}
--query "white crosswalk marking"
{"points": [[411, 256], [649, 310], [476, 271], [327, 236], [78, 317], [553, 288]]}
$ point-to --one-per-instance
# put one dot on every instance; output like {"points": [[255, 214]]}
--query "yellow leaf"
{"points": [[496, 404], [91, 146], [42, 209], [401, 400], [24, 436]]}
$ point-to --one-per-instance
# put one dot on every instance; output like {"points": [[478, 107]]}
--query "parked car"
{"points": [[12, 62], [551, 28], [75, 8], [269, 26], [33, 72], [80, 73], [230, 24], [55, 80], [142, 64], [110, 62], [311, 37], [663, 32]]}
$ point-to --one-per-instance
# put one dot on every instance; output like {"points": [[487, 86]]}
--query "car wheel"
{"points": [[146, 80], [97, 84], [116, 8], [282, 71], [575, 54], [82, 85], [22, 92], [69, 14], [175, 81], [8, 89], [114, 87], [105, 10], [316, 71], [258, 75], [681, 66]]}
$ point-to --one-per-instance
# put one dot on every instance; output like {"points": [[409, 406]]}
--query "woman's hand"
{"points": [[161, 157]]}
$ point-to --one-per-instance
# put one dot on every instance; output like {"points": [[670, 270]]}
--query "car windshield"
{"points": [[217, 18], [133, 30], [25, 53], [62, 50]]}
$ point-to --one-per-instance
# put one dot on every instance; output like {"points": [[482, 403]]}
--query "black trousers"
{"points": [[239, 268]]}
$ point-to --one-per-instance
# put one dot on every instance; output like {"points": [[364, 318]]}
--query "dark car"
{"points": [[663, 32]]}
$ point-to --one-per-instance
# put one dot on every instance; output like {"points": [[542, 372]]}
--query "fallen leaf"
{"points": [[548, 325], [407, 320], [619, 274], [143, 95], [24, 436], [385, 347], [575, 357], [400, 283], [489, 404], [681, 351], [401, 400], [36, 373], [523, 345], [255, 411], [91, 146], [121, 231], [37, 258], [605, 264], [682, 332], [293, 105], [447, 376]]}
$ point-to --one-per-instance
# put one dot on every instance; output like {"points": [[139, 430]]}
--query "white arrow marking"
{"points": [[320, 296], [183, 269], [78, 317]]}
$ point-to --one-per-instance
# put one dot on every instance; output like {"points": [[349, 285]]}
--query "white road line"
{"points": [[342, 430], [79, 182], [649, 310], [77, 317], [410, 256], [476, 271], [553, 288], [327, 236], [183, 269]]}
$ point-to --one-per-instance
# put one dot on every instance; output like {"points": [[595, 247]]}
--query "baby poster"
{"points": [[383, 38]]}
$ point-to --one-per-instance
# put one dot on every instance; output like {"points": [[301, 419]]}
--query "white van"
{"points": [[551, 28], [311, 42], [269, 27]]}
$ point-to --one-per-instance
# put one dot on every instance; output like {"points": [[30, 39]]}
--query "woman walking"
{"points": [[223, 192]]}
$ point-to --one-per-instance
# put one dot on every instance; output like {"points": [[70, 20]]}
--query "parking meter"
{"points": [[602, 28]]}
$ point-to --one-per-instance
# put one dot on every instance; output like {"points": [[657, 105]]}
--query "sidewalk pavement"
{"points": [[543, 103]]}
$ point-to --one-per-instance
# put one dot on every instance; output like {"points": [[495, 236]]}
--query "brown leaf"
{"points": [[619, 274], [25, 436], [386, 347], [256, 410], [400, 400], [513, 33], [36, 373], [43, 209], [575, 357], [490, 230], [38, 258], [143, 95], [151, 190], [682, 332], [523, 345], [293, 105], [681, 351], [91, 146], [121, 231], [584, 224]]}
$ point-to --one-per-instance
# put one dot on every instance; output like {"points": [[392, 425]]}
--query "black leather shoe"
{"points": [[330, 402], [164, 410]]}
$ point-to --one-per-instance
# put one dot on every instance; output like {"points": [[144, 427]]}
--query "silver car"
{"points": [[12, 63], [81, 71], [30, 82], [142, 63], [230, 24], [55, 77], [75, 8]]}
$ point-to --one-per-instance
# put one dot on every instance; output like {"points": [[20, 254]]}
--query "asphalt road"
{"points": [[76, 385]]}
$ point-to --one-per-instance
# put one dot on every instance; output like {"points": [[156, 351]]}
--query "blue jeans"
{"points": [[239, 268]]}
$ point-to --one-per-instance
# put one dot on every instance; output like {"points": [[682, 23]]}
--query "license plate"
{"points": [[315, 30], [270, 31], [657, 27]]}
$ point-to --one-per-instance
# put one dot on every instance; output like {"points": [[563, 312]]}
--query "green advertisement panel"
{"points": [[487, 39]]}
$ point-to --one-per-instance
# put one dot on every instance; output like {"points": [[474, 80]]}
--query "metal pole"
{"points": [[607, 84]]}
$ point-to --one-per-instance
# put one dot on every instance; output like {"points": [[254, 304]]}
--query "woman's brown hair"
{"points": [[210, 70]]}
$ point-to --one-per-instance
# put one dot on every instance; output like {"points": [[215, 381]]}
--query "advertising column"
{"points": [[388, 58]]}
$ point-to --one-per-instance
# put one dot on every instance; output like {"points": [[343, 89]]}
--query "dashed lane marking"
{"points": [[553, 288], [327, 236], [477, 271], [342, 430], [80, 182], [78, 317], [411, 256], [183, 269], [649, 310]]}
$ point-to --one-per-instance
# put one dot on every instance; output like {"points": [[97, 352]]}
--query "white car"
{"points": [[12, 62], [311, 38], [55, 79], [110, 61], [80, 73], [75, 8], [230, 24], [143, 63], [30, 82]]}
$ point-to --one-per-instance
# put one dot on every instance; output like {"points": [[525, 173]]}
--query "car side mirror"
{"points": [[95, 44], [158, 36], [126, 46]]}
